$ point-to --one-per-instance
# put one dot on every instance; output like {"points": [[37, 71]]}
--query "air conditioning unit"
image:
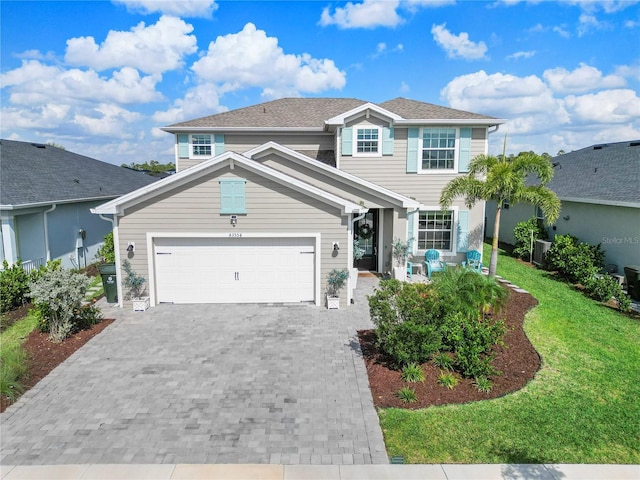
{"points": [[540, 250]]}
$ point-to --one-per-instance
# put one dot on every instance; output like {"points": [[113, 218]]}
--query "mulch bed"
{"points": [[44, 355], [517, 360]]}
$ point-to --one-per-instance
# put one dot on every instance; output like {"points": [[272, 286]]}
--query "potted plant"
{"points": [[335, 281], [134, 283], [400, 251]]}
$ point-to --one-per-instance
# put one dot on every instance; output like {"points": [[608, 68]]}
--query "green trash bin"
{"points": [[632, 275], [108, 274]]}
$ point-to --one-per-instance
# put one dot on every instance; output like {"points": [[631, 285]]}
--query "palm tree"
{"points": [[502, 179]]}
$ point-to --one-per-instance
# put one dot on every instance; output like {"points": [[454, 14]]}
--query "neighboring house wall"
{"points": [[271, 208], [30, 237], [509, 218]]}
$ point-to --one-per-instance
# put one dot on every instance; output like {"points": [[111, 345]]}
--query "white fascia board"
{"points": [[51, 202], [266, 148], [488, 122], [597, 201], [244, 129], [342, 118]]}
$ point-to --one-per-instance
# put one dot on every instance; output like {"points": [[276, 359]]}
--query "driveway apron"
{"points": [[282, 384]]}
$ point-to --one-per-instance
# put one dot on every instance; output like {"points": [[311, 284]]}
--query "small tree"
{"points": [[336, 280], [59, 292], [133, 282], [401, 251]]}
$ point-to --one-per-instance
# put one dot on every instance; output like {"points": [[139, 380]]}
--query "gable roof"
{"points": [[605, 174], [35, 174], [118, 205], [310, 114]]}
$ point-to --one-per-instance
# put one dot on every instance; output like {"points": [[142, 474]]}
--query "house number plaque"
{"points": [[235, 234]]}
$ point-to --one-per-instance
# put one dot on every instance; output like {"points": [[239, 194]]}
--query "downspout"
{"points": [[116, 249], [46, 231]]}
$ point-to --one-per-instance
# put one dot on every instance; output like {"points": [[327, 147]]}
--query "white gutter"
{"points": [[46, 231], [244, 129], [58, 202], [452, 121]]}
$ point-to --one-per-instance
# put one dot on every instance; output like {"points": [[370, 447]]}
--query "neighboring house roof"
{"points": [[603, 173], [33, 174], [118, 205], [312, 113]]}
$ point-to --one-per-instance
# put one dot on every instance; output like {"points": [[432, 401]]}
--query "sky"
{"points": [[102, 77]]}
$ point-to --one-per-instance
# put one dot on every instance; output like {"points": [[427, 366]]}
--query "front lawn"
{"points": [[582, 407]]}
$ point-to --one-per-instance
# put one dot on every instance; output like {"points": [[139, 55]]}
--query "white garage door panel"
{"points": [[234, 270]]}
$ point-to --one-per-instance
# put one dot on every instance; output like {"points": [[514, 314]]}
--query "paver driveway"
{"points": [[206, 384]]}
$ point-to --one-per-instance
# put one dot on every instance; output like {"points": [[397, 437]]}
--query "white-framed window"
{"points": [[367, 141], [201, 145], [436, 230], [439, 147]]}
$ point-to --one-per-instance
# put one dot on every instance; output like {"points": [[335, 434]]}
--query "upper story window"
{"points": [[201, 144], [367, 140], [435, 230], [438, 148]]}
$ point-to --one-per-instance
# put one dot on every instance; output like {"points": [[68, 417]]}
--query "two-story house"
{"points": [[269, 198]]}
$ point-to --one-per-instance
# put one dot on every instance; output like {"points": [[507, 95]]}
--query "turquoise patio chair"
{"points": [[433, 263], [473, 261]]}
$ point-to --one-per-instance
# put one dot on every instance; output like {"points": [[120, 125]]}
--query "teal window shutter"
{"points": [[218, 140], [464, 150], [387, 141], [412, 150], [347, 141], [232, 195], [463, 231], [183, 145], [410, 227]]}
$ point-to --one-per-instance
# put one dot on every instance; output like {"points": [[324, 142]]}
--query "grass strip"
{"points": [[13, 358]]}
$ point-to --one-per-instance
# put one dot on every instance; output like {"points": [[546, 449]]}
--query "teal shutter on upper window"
{"points": [[347, 141], [464, 151], [183, 145], [218, 140], [410, 227], [412, 150], [387, 141], [232, 195], [463, 231]]}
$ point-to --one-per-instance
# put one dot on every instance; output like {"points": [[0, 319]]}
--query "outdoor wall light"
{"points": [[566, 217], [336, 246], [131, 247], [234, 219]]}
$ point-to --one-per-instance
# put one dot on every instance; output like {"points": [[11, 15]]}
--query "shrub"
{"points": [[604, 288], [407, 395], [471, 341], [133, 282], [576, 261], [443, 361], [522, 233], [85, 317], [447, 379], [412, 373], [412, 342], [483, 384], [14, 286], [106, 253], [58, 293]]}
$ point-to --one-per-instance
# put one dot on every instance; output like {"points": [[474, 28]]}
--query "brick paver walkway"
{"points": [[206, 384]]}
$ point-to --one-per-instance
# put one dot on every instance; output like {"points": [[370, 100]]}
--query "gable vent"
{"points": [[39, 145], [634, 144]]}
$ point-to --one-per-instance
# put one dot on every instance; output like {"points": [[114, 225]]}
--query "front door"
{"points": [[366, 233]]}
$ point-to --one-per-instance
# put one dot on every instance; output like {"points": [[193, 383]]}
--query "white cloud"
{"points": [[404, 87], [582, 79], [519, 55], [182, 8], [35, 83], [199, 101], [606, 107], [368, 14], [458, 46], [107, 120], [608, 6], [154, 49], [251, 59]]}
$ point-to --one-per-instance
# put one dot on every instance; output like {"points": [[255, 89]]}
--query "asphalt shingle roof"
{"points": [[312, 113], [32, 173], [606, 172]]}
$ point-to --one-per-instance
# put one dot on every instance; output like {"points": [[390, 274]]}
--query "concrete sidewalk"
{"points": [[321, 472]]}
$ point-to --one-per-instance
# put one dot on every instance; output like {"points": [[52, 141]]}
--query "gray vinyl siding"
{"points": [[271, 208], [326, 182]]}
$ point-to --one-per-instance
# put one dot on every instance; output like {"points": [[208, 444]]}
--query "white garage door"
{"points": [[234, 270]]}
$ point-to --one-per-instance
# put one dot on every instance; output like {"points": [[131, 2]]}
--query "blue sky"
{"points": [[101, 77]]}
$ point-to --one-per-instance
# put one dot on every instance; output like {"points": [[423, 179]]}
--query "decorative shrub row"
{"points": [[14, 283]]}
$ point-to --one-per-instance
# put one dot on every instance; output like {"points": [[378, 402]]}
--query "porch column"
{"points": [[9, 244]]}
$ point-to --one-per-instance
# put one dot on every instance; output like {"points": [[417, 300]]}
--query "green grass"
{"points": [[13, 360], [582, 407]]}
